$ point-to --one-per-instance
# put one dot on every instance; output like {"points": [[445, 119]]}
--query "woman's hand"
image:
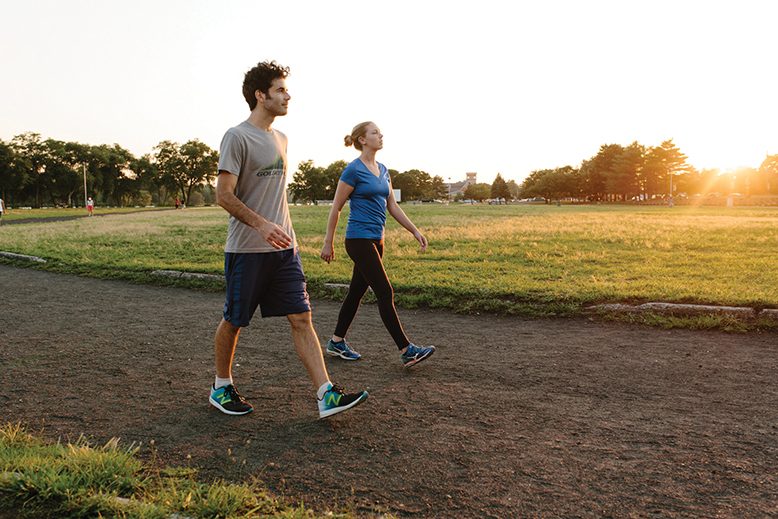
{"points": [[421, 239], [327, 252]]}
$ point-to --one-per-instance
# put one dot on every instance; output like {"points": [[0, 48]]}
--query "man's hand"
{"points": [[274, 235]]}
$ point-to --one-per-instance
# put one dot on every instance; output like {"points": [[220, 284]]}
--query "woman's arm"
{"points": [[398, 214], [342, 193]]}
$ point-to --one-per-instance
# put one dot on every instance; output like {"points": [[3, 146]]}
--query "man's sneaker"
{"points": [[227, 400], [336, 400], [415, 354], [341, 349]]}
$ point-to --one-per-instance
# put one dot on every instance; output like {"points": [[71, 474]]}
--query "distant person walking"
{"points": [[367, 184], [2, 210], [178, 203], [90, 206], [261, 262]]}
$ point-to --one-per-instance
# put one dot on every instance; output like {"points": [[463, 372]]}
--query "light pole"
{"points": [[83, 166]]}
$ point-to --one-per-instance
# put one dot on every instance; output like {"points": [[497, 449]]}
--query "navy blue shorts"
{"points": [[272, 281]]}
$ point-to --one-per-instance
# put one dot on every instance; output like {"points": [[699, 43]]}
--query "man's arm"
{"points": [[225, 197]]}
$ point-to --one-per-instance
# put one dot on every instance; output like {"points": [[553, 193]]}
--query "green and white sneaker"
{"points": [[336, 400], [227, 400]]}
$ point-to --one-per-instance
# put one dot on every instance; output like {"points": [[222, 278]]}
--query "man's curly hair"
{"points": [[260, 78]]}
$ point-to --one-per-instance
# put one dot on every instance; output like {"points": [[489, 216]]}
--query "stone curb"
{"points": [[25, 257], [186, 275], [341, 286], [686, 309]]}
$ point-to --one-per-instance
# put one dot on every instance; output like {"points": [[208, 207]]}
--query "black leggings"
{"points": [[369, 271]]}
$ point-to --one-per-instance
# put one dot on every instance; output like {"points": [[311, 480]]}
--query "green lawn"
{"points": [[518, 259], [38, 214]]}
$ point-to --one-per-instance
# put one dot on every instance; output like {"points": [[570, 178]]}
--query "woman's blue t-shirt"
{"points": [[367, 213]]}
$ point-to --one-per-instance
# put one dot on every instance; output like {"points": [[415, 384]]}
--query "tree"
{"points": [[12, 178], [673, 162], [149, 179], [514, 189], [556, 183], [302, 185], [598, 169], [653, 178], [198, 167], [62, 180], [311, 183], [418, 185], [113, 178], [626, 169], [414, 184], [769, 168], [480, 191], [438, 188], [552, 183], [329, 181], [500, 189], [182, 168], [30, 157]]}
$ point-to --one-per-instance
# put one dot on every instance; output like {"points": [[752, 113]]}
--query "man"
{"points": [[2, 210], [261, 263], [90, 206]]}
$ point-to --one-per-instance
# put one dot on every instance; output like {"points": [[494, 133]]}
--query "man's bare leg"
{"points": [[224, 396], [332, 400], [306, 343], [225, 342]]}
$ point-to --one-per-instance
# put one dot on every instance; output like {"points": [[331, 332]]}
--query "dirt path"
{"points": [[510, 418]]}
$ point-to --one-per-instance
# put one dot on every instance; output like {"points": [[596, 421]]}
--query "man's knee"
{"points": [[301, 321], [227, 328]]}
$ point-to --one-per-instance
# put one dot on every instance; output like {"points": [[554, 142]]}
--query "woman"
{"points": [[368, 185]]}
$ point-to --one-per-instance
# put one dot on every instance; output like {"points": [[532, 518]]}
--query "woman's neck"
{"points": [[368, 157]]}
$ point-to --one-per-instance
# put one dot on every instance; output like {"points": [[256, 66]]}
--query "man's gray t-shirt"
{"points": [[258, 158]]}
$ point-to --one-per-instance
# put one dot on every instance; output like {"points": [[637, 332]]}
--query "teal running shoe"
{"points": [[227, 400], [336, 400], [341, 349], [415, 354]]}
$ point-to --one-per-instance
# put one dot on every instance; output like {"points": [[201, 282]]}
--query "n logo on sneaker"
{"points": [[224, 398], [333, 399]]}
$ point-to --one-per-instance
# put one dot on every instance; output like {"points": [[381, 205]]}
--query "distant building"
{"points": [[458, 188]]}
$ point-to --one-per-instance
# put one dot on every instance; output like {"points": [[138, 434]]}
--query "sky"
{"points": [[484, 86]]}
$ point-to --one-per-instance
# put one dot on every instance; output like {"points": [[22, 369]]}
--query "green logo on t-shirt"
{"points": [[274, 169]]}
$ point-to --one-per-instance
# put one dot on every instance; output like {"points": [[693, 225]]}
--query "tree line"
{"points": [[638, 172], [36, 172], [312, 184]]}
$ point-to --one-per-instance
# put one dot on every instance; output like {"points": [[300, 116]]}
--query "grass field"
{"points": [[523, 260], [38, 214]]}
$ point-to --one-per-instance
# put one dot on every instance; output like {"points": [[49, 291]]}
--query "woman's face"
{"points": [[373, 138]]}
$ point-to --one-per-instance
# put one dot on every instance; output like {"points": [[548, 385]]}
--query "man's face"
{"points": [[277, 99]]}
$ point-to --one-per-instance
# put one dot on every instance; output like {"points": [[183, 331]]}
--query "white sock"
{"points": [[323, 389], [221, 382]]}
